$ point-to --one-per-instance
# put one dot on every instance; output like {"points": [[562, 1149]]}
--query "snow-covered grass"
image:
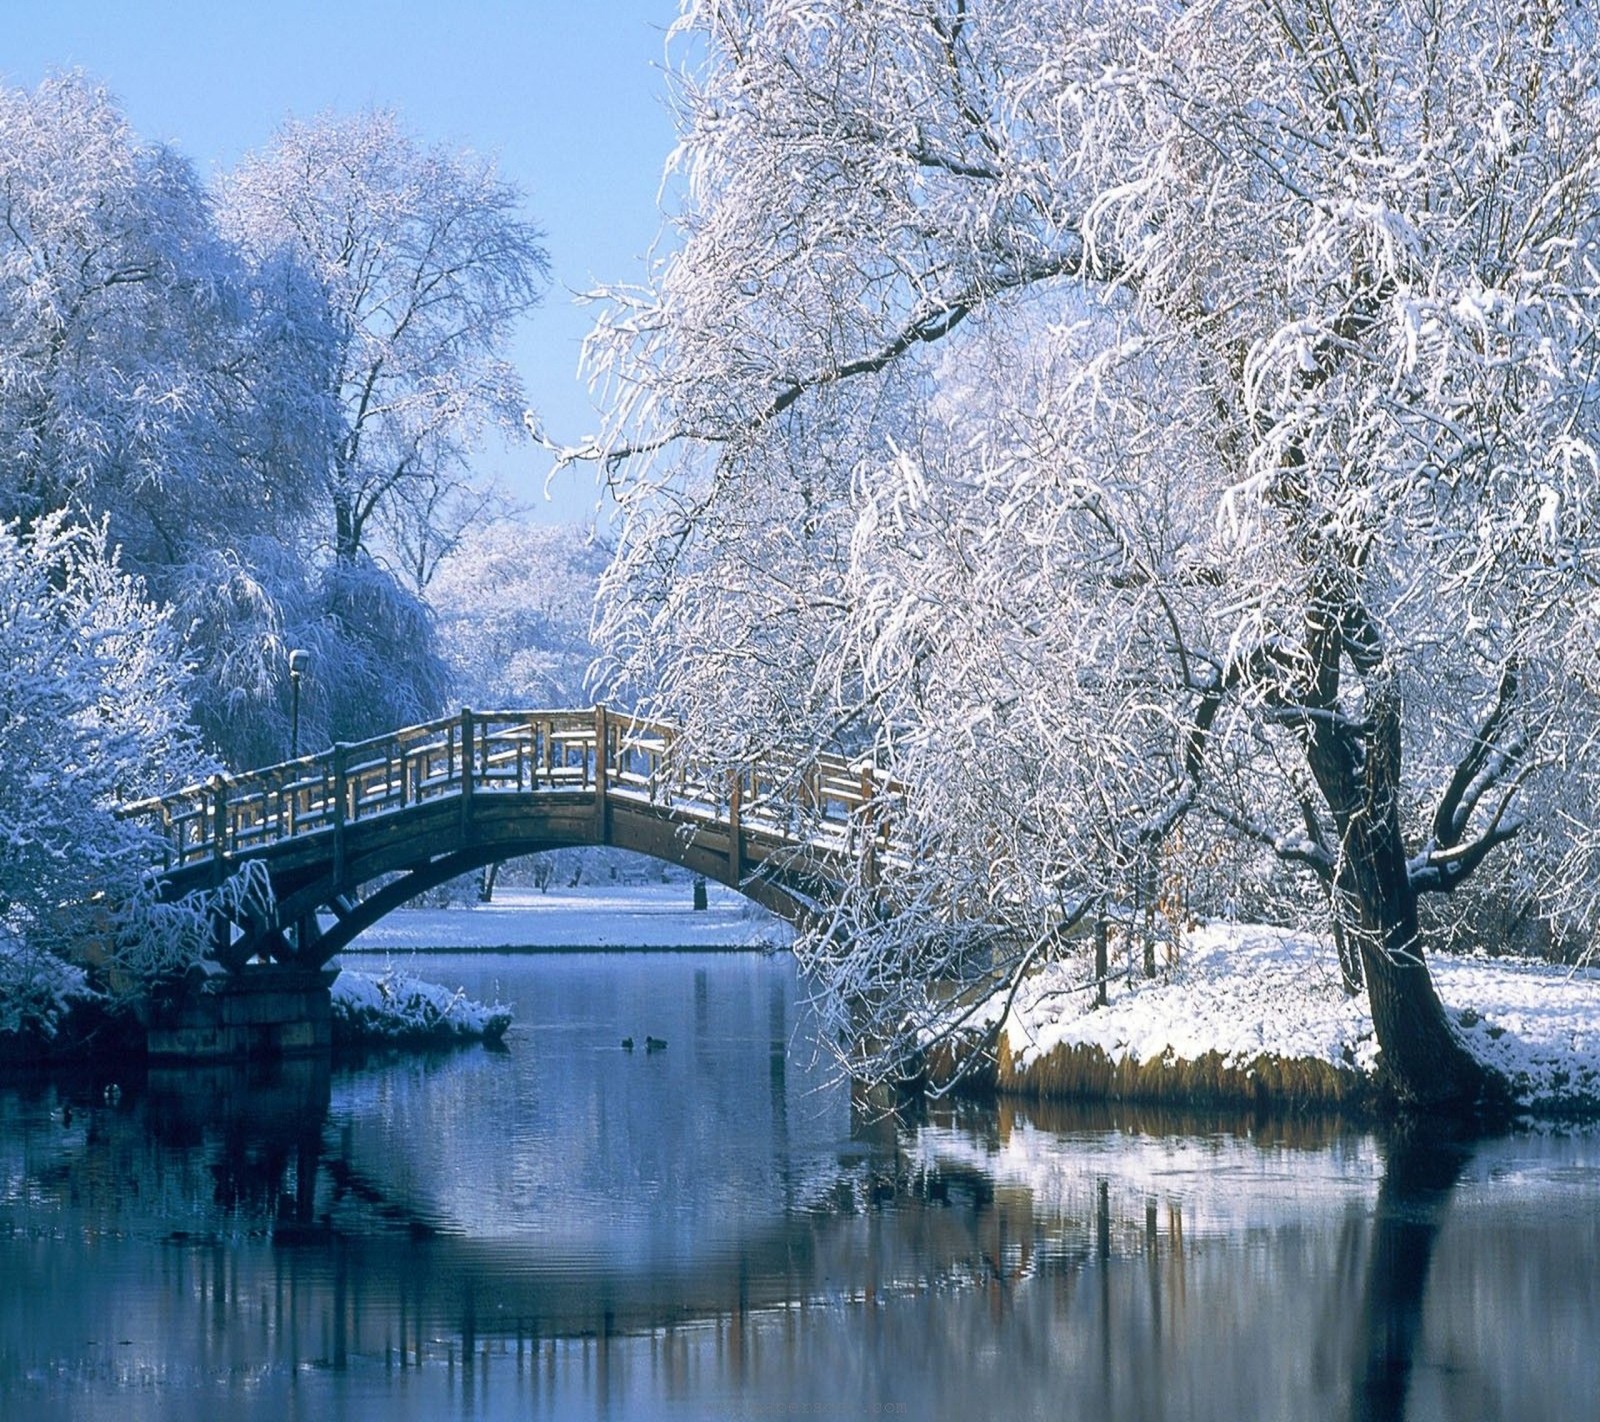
{"points": [[1538, 1025], [1237, 990], [598, 916], [1245, 993], [393, 1006]]}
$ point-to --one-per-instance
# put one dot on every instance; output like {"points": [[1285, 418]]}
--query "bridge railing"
{"points": [[595, 749]]}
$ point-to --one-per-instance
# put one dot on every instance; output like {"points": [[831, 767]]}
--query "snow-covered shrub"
{"points": [[92, 715], [393, 1006], [37, 989]]}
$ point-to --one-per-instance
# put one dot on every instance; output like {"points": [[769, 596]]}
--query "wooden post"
{"points": [[735, 828], [468, 754], [219, 824], [339, 786], [602, 779], [1100, 959]]}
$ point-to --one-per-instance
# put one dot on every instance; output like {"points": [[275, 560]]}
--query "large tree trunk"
{"points": [[1423, 1059], [1423, 1062]]}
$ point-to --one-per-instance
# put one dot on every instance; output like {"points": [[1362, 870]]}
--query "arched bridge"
{"points": [[424, 804]]}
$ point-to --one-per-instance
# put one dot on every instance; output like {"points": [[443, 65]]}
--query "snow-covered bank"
{"points": [[394, 1007], [599, 916], [1258, 1007]]}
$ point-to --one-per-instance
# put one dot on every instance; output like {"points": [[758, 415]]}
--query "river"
{"points": [[714, 1229]]}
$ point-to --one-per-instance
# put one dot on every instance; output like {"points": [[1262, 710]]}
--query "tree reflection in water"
{"points": [[257, 1237], [1421, 1170]]}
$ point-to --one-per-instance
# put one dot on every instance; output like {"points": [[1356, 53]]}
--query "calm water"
{"points": [[712, 1231]]}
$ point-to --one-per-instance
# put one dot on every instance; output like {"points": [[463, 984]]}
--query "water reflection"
{"points": [[1420, 1173], [416, 1240]]}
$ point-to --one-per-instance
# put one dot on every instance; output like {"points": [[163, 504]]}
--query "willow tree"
{"points": [[1123, 416]]}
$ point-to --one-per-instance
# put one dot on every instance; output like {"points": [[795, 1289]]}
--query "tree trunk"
{"points": [[346, 529], [1341, 903], [1423, 1063]]}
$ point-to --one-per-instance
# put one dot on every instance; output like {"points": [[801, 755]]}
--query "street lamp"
{"points": [[297, 664]]}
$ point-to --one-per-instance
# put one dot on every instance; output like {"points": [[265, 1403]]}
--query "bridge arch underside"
{"points": [[428, 844]]}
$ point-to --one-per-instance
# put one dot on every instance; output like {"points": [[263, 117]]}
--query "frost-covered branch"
{"points": [[1103, 412]]}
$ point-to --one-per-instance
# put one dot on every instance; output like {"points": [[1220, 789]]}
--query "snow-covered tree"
{"points": [[1163, 421], [187, 388], [426, 266], [145, 370], [374, 661], [515, 601], [92, 714], [152, 376]]}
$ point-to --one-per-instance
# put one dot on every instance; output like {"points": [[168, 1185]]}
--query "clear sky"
{"points": [[568, 94]]}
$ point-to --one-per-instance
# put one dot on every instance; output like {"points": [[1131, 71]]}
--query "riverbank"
{"points": [[1248, 1014], [376, 1004], [1242, 1016]]}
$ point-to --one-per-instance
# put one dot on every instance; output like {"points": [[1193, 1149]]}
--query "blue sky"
{"points": [[569, 96]]}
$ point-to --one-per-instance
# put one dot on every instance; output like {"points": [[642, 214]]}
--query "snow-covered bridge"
{"points": [[426, 803]]}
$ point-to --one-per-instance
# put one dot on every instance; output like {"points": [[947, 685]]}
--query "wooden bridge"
{"points": [[427, 803]]}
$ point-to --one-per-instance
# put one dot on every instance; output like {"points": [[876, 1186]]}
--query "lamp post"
{"points": [[297, 664]]}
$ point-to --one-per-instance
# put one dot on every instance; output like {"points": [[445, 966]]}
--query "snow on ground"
{"points": [[1537, 1024], [590, 916], [1244, 990], [1239, 990]]}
